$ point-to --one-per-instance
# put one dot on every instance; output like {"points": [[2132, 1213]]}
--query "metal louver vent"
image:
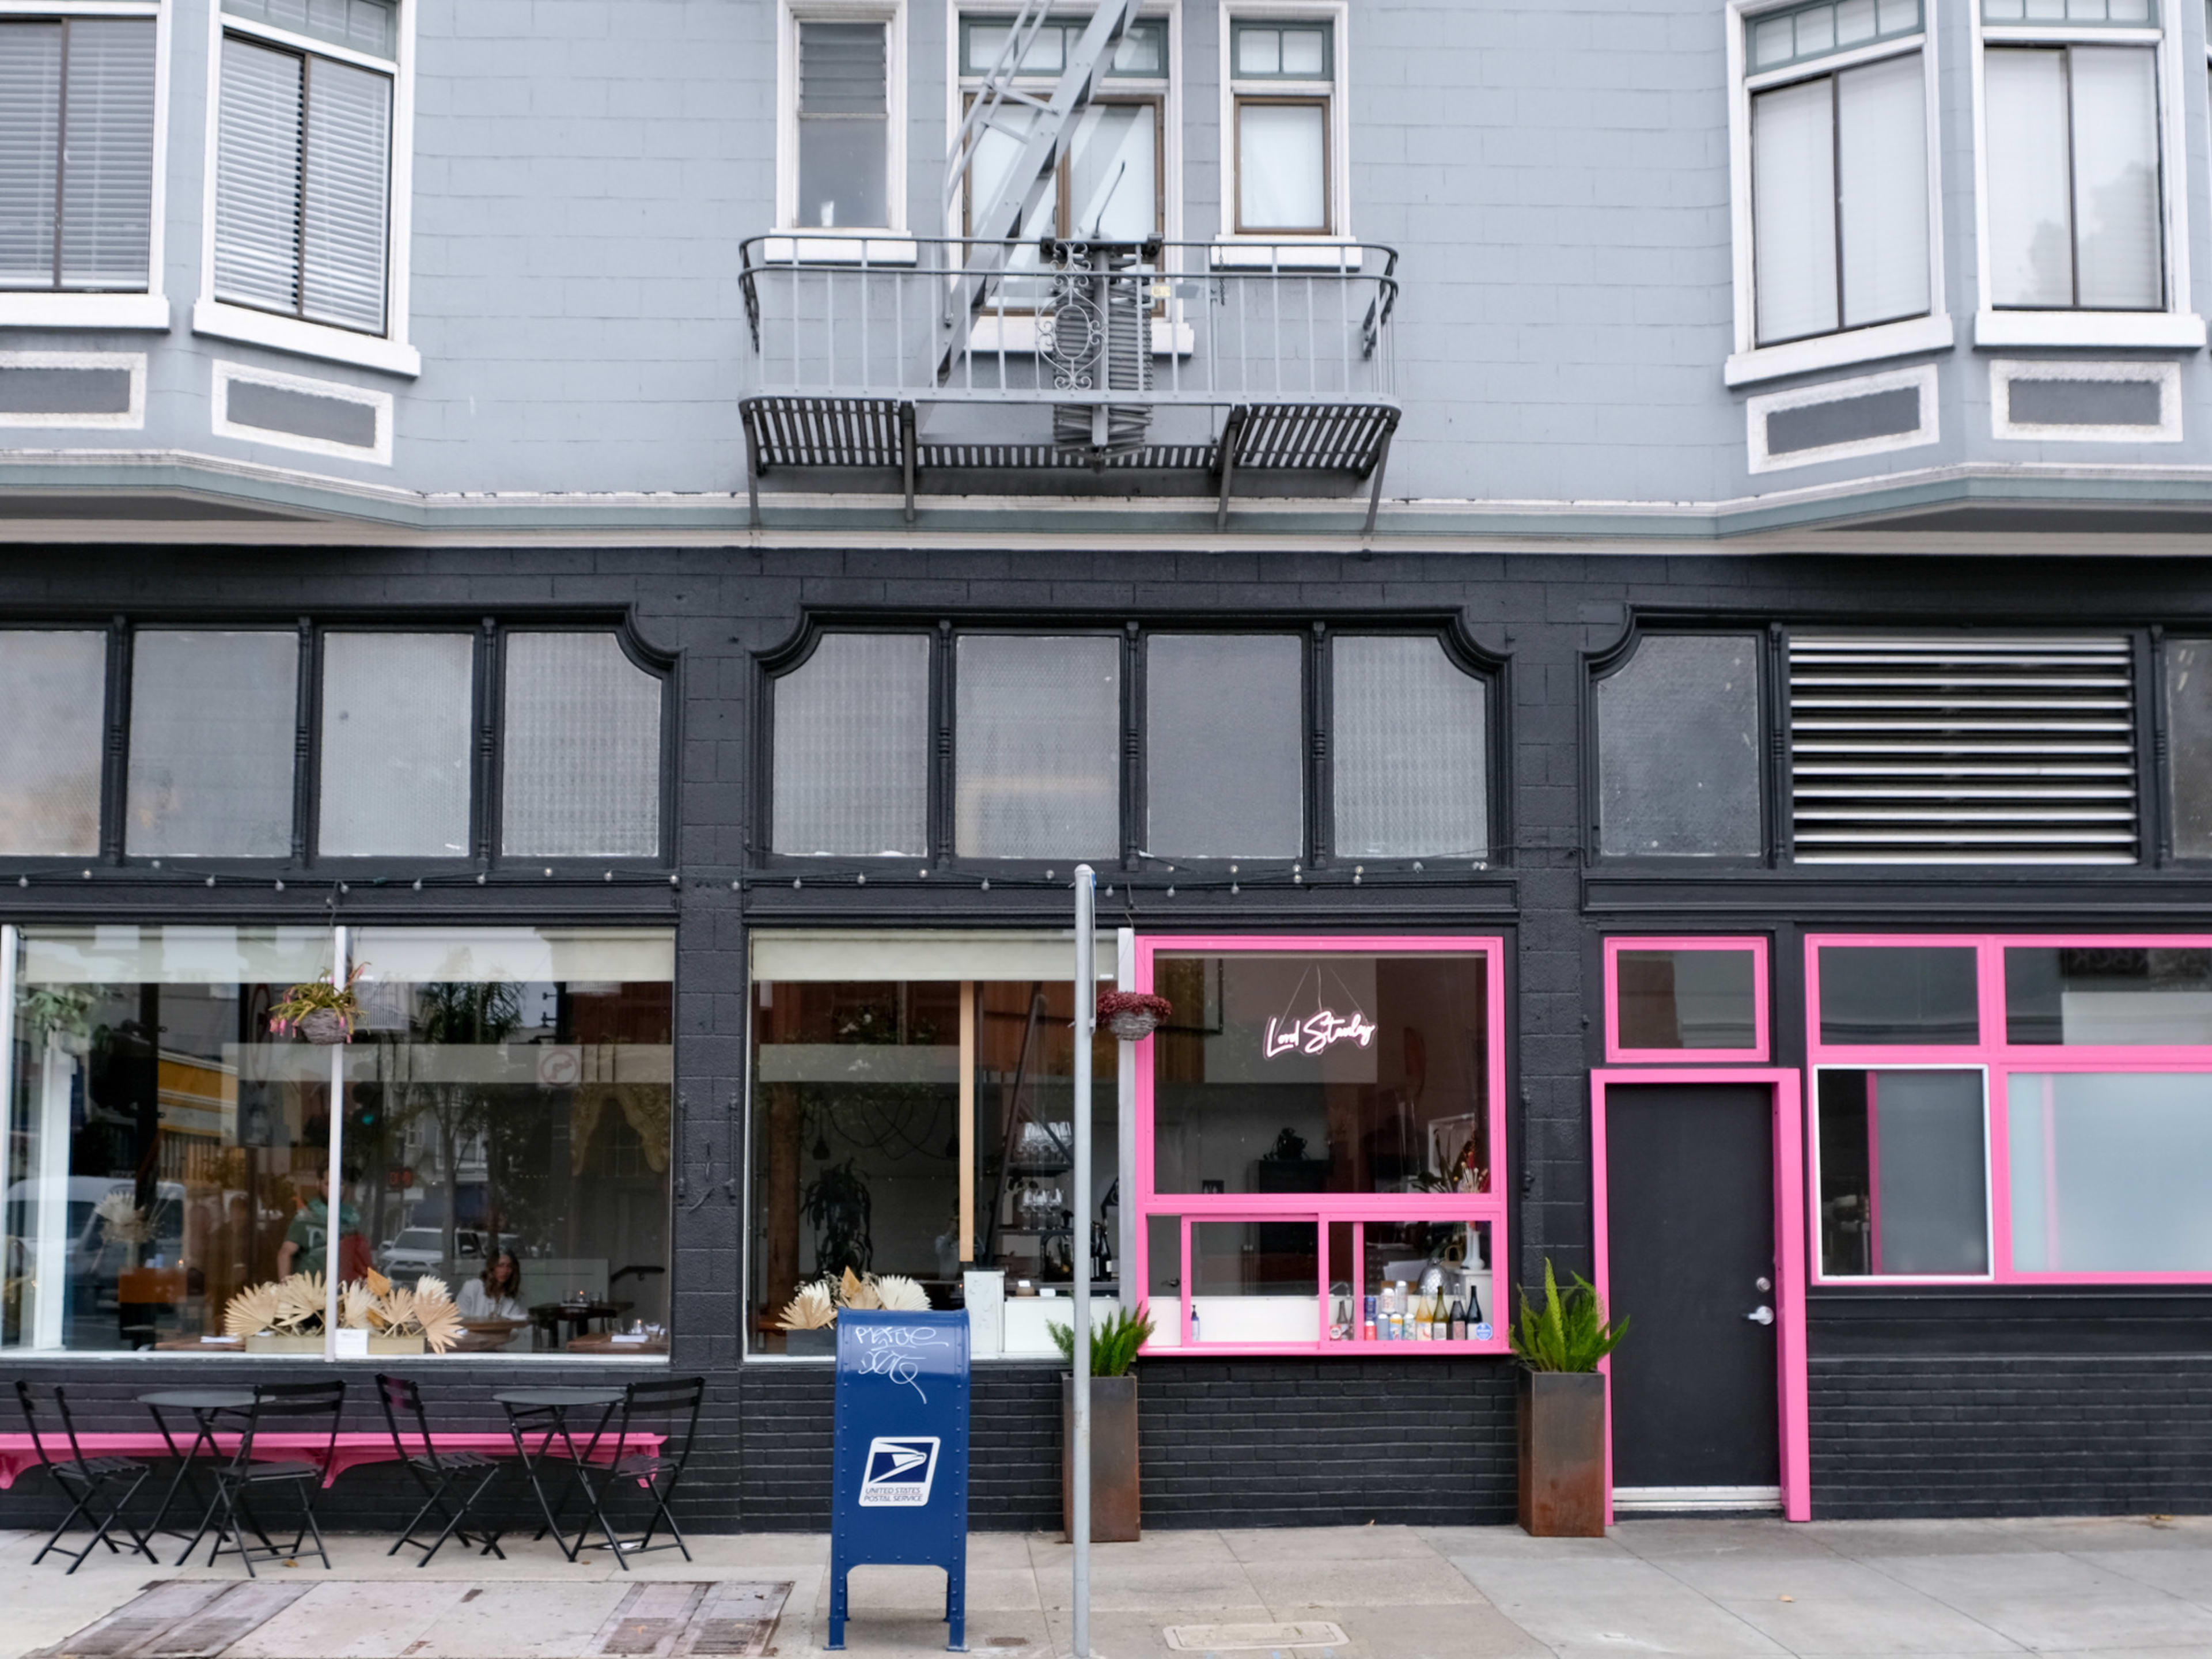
{"points": [[1963, 751]]}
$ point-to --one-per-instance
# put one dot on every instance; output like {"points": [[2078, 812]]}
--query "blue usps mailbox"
{"points": [[901, 1492]]}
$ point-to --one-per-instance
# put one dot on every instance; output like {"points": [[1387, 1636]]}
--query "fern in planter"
{"points": [[1570, 1333], [1113, 1341]]}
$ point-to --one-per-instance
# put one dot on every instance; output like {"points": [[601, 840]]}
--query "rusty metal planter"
{"points": [[1115, 1506], [1562, 1441]]}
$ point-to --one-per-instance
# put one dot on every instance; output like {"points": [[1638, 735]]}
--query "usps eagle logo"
{"points": [[900, 1470]]}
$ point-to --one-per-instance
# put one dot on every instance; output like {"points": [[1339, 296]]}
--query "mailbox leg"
{"points": [[837, 1642], [955, 1606]]}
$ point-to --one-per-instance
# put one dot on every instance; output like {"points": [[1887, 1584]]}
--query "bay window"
{"points": [[2072, 152], [2012, 1108], [303, 160], [1840, 226], [76, 152]]}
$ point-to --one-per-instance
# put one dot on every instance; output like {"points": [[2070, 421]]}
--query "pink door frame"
{"points": [[1790, 1246]]}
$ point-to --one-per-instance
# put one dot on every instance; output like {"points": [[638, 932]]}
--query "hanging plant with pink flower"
{"points": [[322, 1010], [1133, 1016]]}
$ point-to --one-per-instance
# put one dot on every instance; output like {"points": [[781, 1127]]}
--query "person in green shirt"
{"points": [[305, 1248]]}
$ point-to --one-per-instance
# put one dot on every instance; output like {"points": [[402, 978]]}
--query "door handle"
{"points": [[1761, 1314]]}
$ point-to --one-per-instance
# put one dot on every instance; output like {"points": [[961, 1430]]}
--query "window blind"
{"points": [[76, 153], [302, 186]]}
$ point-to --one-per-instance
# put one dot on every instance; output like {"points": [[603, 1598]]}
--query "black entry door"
{"points": [[1690, 1242]]}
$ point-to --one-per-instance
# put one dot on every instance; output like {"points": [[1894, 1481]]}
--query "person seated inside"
{"points": [[497, 1293]]}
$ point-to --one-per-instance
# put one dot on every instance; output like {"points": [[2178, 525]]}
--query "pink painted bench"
{"points": [[18, 1455]]}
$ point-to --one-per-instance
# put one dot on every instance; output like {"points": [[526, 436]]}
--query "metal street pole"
{"points": [[1086, 1021]]}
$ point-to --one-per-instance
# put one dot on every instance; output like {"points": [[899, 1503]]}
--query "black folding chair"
{"points": [[91, 1484], [655, 1474], [238, 1482], [441, 1475]]}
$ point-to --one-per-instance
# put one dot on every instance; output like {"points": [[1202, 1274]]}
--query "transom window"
{"points": [[203, 737], [1839, 124], [2012, 1107], [1144, 743]]}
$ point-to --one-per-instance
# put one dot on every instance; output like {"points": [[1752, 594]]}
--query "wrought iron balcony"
{"points": [[918, 355]]}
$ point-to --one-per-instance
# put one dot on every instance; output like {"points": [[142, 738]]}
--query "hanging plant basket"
{"points": [[326, 1027], [1133, 1016]]}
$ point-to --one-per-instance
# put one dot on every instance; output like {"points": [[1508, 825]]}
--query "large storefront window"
{"points": [[504, 1128], [2012, 1108], [1320, 1141], [913, 1117]]}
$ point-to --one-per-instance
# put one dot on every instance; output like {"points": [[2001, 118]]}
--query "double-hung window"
{"points": [[842, 154], [77, 140], [308, 182], [1110, 183], [1838, 107], [1284, 138]]}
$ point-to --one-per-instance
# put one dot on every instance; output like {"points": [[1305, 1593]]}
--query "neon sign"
{"points": [[1323, 1029]]}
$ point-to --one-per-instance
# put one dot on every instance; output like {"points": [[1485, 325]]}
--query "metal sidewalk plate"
{"points": [[1220, 1638]]}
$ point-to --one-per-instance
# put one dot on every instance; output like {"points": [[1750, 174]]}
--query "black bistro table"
{"points": [[205, 1406], [544, 1414]]}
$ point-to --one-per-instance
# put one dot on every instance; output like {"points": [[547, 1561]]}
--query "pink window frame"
{"points": [[1324, 1208], [1792, 1390], [1757, 1054], [1998, 1059]]}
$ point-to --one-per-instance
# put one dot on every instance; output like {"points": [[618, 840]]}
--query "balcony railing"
{"points": [[917, 353]]}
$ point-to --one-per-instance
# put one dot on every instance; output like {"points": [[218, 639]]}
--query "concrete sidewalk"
{"points": [[1709, 1587]]}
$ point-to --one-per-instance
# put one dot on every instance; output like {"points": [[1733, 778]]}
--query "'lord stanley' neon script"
{"points": [[1317, 1031]]}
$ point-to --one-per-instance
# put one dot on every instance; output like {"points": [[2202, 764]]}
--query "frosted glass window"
{"points": [[580, 749], [2189, 745], [1282, 165], [1903, 1174], [214, 725], [1409, 730], [2074, 178], [53, 719], [1224, 722], [1840, 162], [851, 768], [2109, 1172], [398, 719], [1678, 748], [1037, 747]]}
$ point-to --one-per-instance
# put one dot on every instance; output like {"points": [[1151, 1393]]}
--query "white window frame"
{"points": [[131, 362], [149, 310], [389, 351], [1017, 332], [1338, 246], [1819, 1274], [224, 375], [1750, 362], [882, 244], [2177, 327]]}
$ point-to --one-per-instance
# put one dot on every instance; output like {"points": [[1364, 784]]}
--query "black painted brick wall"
{"points": [[2010, 1434]]}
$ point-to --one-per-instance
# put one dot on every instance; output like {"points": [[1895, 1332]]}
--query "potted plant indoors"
{"points": [[322, 1010], [1562, 1417], [1133, 1016], [1116, 1509]]}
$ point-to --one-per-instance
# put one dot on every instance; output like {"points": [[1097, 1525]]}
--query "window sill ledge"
{"points": [[873, 247], [336, 345], [2153, 331], [1857, 345], [146, 311], [1289, 253]]}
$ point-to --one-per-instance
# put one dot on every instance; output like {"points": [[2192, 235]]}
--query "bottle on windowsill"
{"points": [[1458, 1322]]}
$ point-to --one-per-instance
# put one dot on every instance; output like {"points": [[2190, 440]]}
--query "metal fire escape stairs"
{"points": [[1094, 316]]}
